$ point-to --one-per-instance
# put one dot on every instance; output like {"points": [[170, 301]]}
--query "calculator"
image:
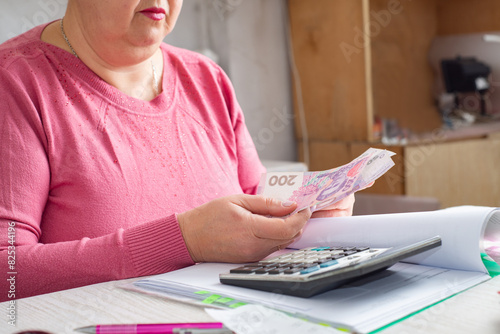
{"points": [[310, 271]]}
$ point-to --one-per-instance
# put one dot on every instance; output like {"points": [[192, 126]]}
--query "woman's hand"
{"points": [[236, 229], [342, 208]]}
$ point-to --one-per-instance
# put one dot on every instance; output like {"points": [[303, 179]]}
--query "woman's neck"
{"points": [[132, 73]]}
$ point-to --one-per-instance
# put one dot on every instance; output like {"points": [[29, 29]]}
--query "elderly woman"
{"points": [[122, 156]]}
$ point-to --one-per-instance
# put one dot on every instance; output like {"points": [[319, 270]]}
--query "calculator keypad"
{"points": [[307, 261], [311, 271]]}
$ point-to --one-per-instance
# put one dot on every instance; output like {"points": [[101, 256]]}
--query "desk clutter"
{"points": [[468, 235]]}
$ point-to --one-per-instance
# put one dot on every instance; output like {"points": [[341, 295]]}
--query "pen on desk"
{"points": [[173, 328]]}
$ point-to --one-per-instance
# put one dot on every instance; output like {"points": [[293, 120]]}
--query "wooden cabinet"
{"points": [[457, 173], [361, 59]]}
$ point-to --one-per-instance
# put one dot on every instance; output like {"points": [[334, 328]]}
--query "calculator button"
{"points": [[320, 249], [328, 264], [336, 252], [319, 261], [349, 252], [309, 270], [264, 270], [277, 271], [299, 265], [311, 260], [243, 270], [292, 271], [270, 264]]}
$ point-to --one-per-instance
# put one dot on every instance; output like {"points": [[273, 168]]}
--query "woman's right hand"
{"points": [[235, 228]]}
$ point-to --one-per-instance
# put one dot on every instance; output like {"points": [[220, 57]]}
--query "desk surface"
{"points": [[476, 310]]}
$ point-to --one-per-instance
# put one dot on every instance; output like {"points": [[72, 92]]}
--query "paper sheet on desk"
{"points": [[258, 319]]}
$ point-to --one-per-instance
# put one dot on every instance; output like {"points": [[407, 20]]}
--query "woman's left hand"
{"points": [[342, 208]]}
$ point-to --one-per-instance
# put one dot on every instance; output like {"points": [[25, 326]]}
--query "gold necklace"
{"points": [[155, 75], [66, 39]]}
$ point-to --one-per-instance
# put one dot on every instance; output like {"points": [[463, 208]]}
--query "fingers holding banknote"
{"points": [[342, 208], [237, 228]]}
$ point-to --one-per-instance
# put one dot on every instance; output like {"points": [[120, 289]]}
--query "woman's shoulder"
{"points": [[188, 57], [195, 66], [24, 45]]}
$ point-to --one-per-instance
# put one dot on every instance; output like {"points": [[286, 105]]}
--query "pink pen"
{"points": [[150, 328]]}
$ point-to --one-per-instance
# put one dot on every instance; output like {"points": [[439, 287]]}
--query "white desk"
{"points": [[474, 311]]}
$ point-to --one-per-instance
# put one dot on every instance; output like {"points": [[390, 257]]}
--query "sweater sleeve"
{"points": [[145, 249]]}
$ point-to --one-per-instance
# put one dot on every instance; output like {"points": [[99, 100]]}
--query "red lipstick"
{"points": [[154, 13]]}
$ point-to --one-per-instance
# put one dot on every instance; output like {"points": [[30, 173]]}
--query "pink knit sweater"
{"points": [[92, 179]]}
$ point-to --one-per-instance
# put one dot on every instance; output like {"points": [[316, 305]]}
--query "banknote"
{"points": [[319, 190]]}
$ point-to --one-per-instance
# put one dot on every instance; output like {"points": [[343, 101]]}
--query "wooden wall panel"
{"points": [[402, 76], [330, 57], [327, 155], [457, 173], [467, 16]]}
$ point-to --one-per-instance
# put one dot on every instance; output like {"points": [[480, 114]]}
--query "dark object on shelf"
{"points": [[466, 75]]}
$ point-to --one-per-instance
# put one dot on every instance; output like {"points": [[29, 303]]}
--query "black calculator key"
{"points": [[271, 264], [243, 270], [264, 270], [277, 271], [292, 271], [349, 252]]}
